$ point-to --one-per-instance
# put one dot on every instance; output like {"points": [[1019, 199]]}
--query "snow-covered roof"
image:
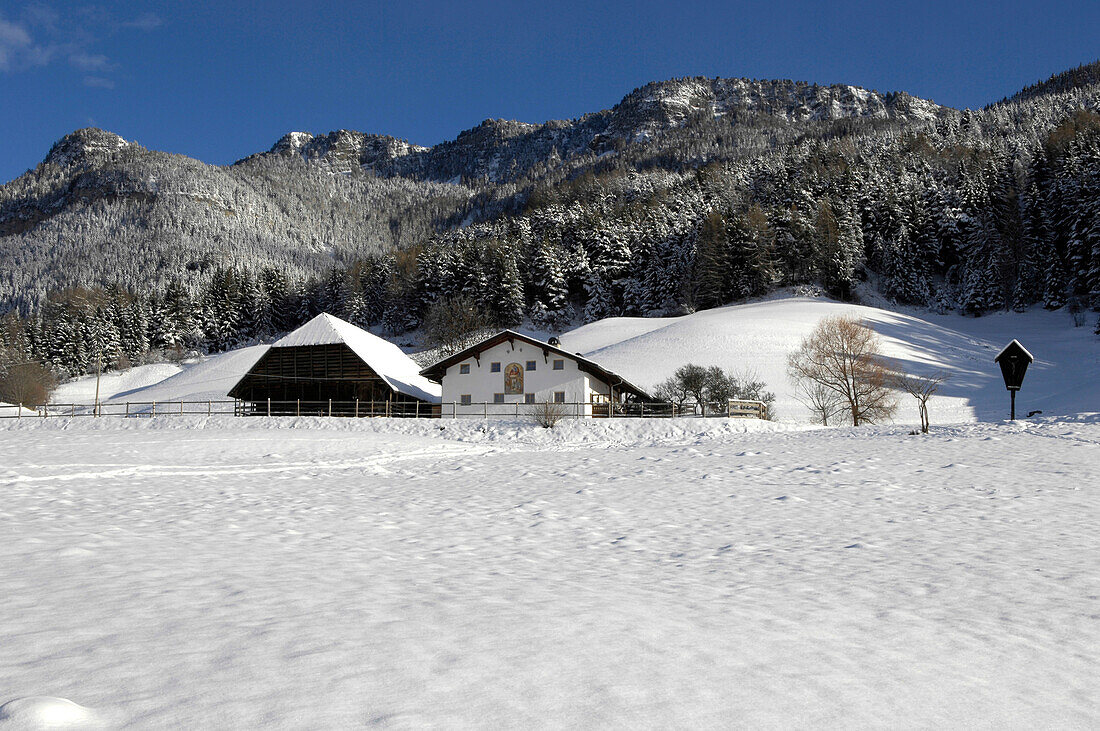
{"points": [[1018, 345], [399, 371]]}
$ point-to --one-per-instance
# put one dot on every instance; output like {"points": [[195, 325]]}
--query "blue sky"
{"points": [[219, 81]]}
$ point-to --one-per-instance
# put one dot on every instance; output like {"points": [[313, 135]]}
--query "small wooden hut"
{"points": [[329, 366]]}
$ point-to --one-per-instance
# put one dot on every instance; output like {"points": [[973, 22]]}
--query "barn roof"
{"points": [[399, 371], [437, 370]]}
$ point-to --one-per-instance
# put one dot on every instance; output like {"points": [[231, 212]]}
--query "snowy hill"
{"points": [[757, 337], [83, 390]]}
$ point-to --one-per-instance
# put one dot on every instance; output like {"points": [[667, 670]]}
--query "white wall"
{"points": [[482, 384]]}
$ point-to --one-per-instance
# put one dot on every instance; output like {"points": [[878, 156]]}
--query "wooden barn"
{"points": [[329, 366]]}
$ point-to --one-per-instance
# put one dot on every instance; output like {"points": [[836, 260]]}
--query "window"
{"points": [[494, 367], [530, 365], [466, 399], [498, 398], [528, 398], [559, 397], [559, 365], [464, 368]]}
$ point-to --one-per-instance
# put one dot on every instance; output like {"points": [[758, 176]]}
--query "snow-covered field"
{"points": [[179, 572]]}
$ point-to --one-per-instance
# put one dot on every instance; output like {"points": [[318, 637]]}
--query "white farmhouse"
{"points": [[509, 369]]}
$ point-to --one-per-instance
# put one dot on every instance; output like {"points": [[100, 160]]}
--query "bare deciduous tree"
{"points": [[26, 383], [547, 414], [823, 403], [842, 356], [712, 388], [455, 323], [922, 388]]}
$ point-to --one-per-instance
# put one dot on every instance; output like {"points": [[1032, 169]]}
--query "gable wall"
{"points": [[482, 384]]}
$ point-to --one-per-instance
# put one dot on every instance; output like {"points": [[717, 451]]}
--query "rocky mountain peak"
{"points": [[85, 145]]}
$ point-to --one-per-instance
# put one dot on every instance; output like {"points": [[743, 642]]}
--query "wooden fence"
{"points": [[361, 409]]}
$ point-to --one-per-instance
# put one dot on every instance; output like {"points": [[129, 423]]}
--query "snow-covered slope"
{"points": [[209, 379], [82, 390], [757, 337]]}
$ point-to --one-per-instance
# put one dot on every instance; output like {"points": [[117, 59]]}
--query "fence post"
{"points": [[417, 416], [298, 407], [454, 409], [127, 408], [330, 407], [209, 408], [729, 409], [45, 411], [19, 411], [269, 406], [485, 410], [356, 408], [154, 408]]}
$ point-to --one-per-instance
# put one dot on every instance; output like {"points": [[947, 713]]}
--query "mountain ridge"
{"points": [[648, 110], [100, 209]]}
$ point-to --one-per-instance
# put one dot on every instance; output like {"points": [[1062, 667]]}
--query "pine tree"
{"points": [[712, 261], [546, 277], [600, 302], [505, 303]]}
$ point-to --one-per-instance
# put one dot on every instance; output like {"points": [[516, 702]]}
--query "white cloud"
{"points": [[91, 62], [98, 82], [14, 42], [42, 36], [145, 21]]}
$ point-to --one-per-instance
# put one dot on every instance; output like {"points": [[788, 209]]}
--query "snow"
{"points": [[757, 337], [111, 384], [45, 712], [7, 410], [1018, 345], [207, 380], [310, 573], [399, 371]]}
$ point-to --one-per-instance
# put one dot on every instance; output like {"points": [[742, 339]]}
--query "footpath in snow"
{"points": [[281, 573]]}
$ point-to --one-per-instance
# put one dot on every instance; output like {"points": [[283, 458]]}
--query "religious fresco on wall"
{"points": [[513, 379]]}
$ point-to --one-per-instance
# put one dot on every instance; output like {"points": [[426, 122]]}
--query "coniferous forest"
{"points": [[688, 194]]}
